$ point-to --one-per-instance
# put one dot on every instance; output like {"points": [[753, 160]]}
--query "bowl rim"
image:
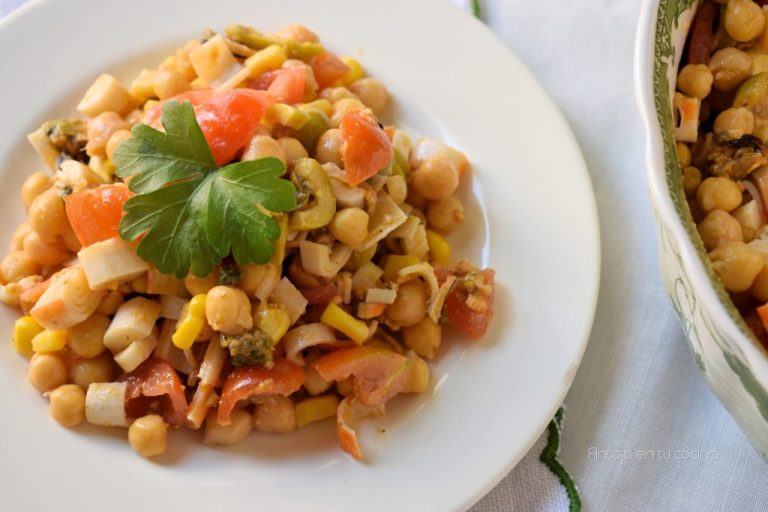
{"points": [[661, 197]]}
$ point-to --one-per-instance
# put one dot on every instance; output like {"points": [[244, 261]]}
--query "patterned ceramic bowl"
{"points": [[733, 362]]}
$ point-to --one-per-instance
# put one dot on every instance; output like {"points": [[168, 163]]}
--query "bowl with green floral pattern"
{"points": [[725, 346]]}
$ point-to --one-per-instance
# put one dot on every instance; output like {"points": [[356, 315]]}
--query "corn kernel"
{"points": [[342, 321], [191, 323], [274, 321], [396, 262], [355, 71], [46, 342], [316, 409], [24, 330], [197, 305], [187, 331], [439, 250]]}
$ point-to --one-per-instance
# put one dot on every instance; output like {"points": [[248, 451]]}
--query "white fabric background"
{"points": [[638, 387]]}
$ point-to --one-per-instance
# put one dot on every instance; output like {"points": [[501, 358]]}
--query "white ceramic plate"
{"points": [[531, 216]]}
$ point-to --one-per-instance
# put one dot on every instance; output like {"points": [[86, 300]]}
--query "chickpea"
{"points": [[43, 253], [350, 226], [148, 435], [718, 228], [196, 285], [169, 83], [759, 288], [416, 200], [227, 435], [228, 310], [86, 339], [262, 146], [737, 264], [115, 140], [334, 94], [343, 106], [683, 154], [718, 194], [293, 149], [84, 371], [691, 181], [410, 306], [47, 215], [46, 372], [275, 414], [328, 148], [397, 188], [110, 303], [436, 178], [17, 265], [445, 214], [695, 80], [744, 20], [424, 337], [17, 240], [735, 122], [372, 93], [100, 129], [314, 383], [69, 239], [67, 405], [33, 186], [730, 67]]}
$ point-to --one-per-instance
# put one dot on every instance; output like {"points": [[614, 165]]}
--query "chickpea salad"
{"points": [[235, 242], [721, 109]]}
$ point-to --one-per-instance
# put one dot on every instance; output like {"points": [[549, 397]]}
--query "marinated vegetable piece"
{"points": [[252, 348], [133, 321], [317, 203], [67, 301], [156, 379], [105, 404]]}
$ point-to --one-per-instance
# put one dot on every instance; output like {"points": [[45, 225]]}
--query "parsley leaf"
{"points": [[154, 158], [188, 213]]}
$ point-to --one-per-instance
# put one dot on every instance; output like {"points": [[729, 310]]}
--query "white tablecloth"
{"points": [[642, 431]]}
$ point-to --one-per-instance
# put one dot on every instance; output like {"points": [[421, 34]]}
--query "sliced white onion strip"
{"points": [[304, 336]]}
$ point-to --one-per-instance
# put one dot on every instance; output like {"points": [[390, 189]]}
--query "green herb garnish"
{"points": [[190, 212]]}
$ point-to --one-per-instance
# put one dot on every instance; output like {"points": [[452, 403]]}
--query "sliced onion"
{"points": [[309, 335], [752, 189]]}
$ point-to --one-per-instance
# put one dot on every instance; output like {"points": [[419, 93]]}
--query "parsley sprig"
{"points": [[189, 213]]}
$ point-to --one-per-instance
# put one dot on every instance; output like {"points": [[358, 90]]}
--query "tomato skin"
{"points": [[283, 378], [472, 323], [328, 68], [156, 378], [365, 147], [379, 373], [228, 121], [194, 97], [95, 213]]}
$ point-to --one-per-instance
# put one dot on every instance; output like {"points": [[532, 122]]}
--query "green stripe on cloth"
{"points": [[549, 458]]}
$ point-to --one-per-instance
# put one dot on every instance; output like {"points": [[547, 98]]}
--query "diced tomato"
{"points": [[328, 68], [471, 322], [365, 148], [378, 373], [229, 119], [283, 378], [156, 379], [95, 213], [287, 85]]}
